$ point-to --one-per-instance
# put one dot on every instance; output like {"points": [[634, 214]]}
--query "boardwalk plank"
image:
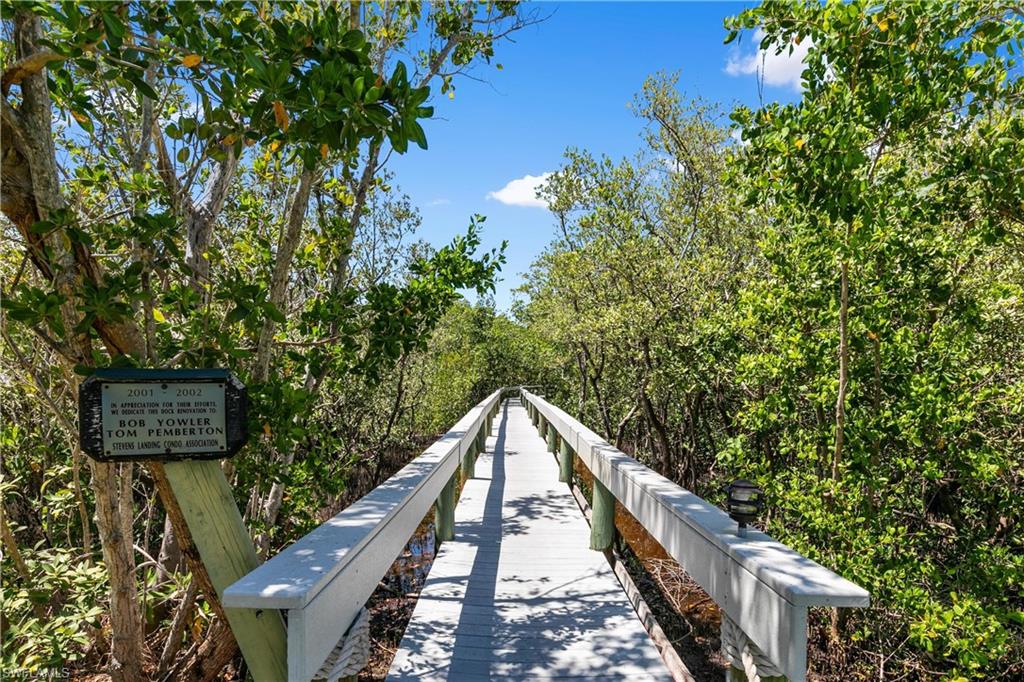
{"points": [[517, 594]]}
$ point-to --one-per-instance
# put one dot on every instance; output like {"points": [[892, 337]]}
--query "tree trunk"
{"points": [[582, 400], [169, 559], [360, 193], [282, 266], [11, 545], [373, 165], [116, 537], [177, 630], [272, 506], [29, 132], [199, 225], [199, 215], [620, 431], [661, 437], [278, 292], [206, 662]]}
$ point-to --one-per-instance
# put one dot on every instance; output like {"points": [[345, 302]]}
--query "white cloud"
{"points": [[780, 70], [522, 191], [672, 165], [439, 202]]}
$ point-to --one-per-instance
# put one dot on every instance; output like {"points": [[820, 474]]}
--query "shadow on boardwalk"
{"points": [[517, 594]]}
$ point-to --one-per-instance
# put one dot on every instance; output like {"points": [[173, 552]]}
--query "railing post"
{"points": [[482, 441], [565, 461], [469, 460], [444, 510], [225, 548], [602, 521], [535, 416], [552, 440]]}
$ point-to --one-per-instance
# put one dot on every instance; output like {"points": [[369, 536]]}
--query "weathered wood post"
{"points": [[125, 415], [565, 461], [552, 440], [535, 416], [482, 441], [228, 553], [602, 521], [468, 464], [444, 510]]}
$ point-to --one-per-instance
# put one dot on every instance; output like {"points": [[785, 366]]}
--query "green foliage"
{"points": [[474, 352], [70, 592], [217, 198], [832, 308], [290, 73], [884, 168], [639, 286]]}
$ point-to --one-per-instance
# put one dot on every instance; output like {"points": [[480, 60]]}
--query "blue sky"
{"points": [[567, 83]]}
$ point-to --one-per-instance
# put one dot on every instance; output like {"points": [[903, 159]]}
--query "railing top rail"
{"points": [[293, 578], [800, 580], [762, 586]]}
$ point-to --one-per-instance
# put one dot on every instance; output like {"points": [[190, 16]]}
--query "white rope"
{"points": [[744, 654], [352, 653]]}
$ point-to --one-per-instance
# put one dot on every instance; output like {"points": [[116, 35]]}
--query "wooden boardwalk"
{"points": [[518, 594]]}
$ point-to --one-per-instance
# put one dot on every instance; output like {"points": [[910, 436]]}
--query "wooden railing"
{"points": [[324, 580], [763, 587]]}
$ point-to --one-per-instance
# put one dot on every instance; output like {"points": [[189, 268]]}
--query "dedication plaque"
{"points": [[139, 414]]}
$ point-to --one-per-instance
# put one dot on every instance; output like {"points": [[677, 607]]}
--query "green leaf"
{"points": [[143, 87], [237, 314], [416, 134]]}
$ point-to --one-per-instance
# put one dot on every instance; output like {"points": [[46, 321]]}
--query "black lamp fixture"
{"points": [[745, 501]]}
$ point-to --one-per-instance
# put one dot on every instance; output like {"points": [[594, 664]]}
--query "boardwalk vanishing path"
{"points": [[517, 594]]}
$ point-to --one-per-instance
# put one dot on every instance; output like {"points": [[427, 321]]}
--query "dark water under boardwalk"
{"points": [[392, 603]]}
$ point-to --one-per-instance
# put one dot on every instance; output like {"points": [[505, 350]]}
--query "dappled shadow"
{"points": [[483, 576], [518, 594], [764, 586], [667, 508]]}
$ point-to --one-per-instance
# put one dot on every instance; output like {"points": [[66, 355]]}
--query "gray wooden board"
{"points": [[517, 594]]}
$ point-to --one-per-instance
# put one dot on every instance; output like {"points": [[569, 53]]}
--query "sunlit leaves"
{"points": [[885, 165]]}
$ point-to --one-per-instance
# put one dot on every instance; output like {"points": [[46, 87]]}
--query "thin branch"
{"points": [[26, 66], [180, 202]]}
